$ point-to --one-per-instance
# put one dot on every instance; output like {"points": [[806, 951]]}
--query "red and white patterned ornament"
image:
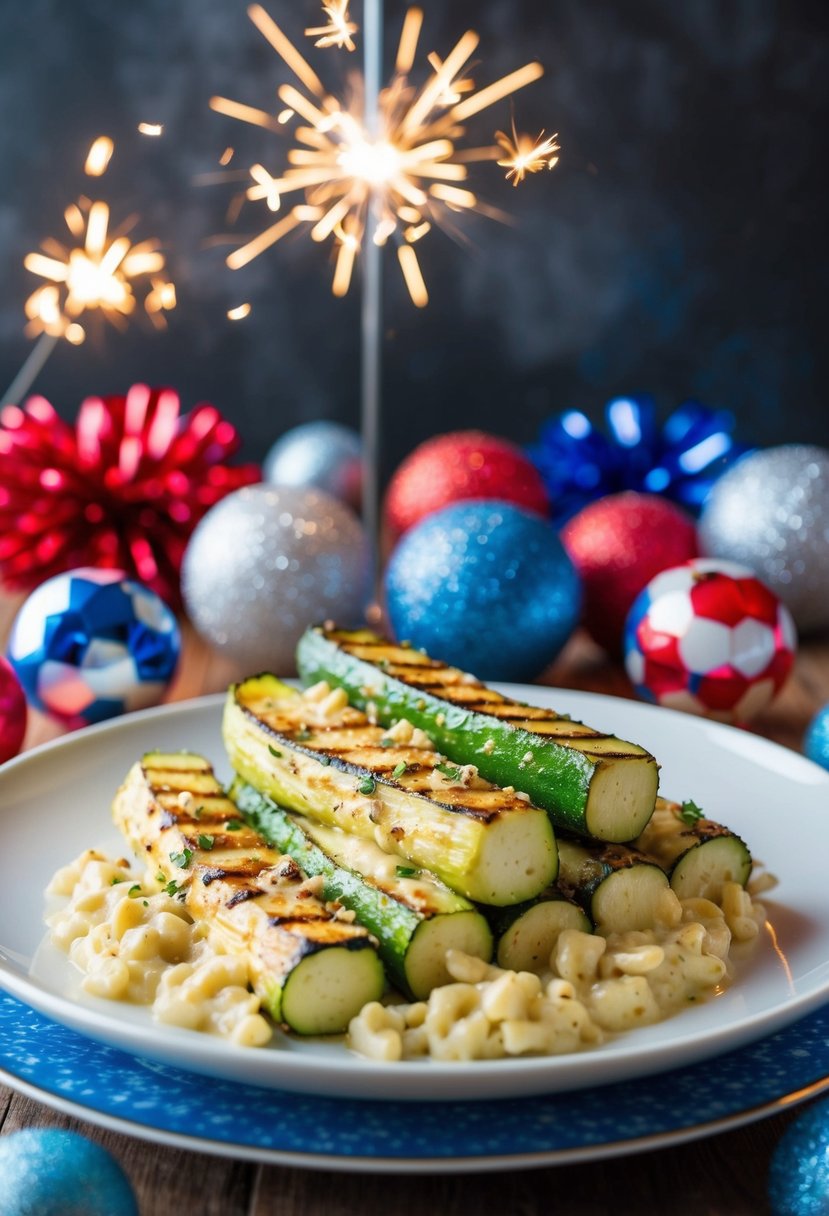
{"points": [[709, 638]]}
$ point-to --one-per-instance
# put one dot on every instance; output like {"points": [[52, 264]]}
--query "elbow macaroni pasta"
{"points": [[594, 985], [136, 943]]}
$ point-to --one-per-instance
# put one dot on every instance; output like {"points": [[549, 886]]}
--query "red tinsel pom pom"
{"points": [[617, 545], [461, 465], [122, 488]]}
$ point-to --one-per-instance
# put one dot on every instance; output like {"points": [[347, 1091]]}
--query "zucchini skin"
{"points": [[697, 854], [573, 773], [277, 926], [391, 915], [485, 843]]}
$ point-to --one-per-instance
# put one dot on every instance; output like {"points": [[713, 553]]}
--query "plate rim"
{"points": [[96, 1023], [803, 1091]]}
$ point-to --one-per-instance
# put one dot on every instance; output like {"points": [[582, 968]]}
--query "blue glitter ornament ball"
{"points": [[90, 644], [321, 455], [484, 586], [49, 1172], [816, 742], [799, 1173]]}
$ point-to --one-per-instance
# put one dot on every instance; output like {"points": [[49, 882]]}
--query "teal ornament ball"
{"points": [[323, 455], [49, 1172], [484, 586], [816, 742], [799, 1173]]}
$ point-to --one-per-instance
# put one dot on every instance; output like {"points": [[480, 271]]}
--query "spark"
{"points": [[98, 156], [411, 171], [151, 128], [96, 271], [239, 312], [339, 30], [526, 155]]}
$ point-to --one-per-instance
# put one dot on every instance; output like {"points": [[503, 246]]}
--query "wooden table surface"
{"points": [[719, 1175]]}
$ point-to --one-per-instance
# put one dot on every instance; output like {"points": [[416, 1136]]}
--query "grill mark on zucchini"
{"points": [[301, 932], [577, 772], [486, 843], [290, 741]]}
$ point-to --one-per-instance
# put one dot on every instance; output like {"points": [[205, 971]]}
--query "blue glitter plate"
{"points": [[157, 1102]]}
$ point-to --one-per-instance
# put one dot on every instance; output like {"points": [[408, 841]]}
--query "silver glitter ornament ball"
{"points": [[324, 455], [266, 562], [770, 512]]}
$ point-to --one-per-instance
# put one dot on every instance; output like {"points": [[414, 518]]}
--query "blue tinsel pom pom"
{"points": [[680, 459]]}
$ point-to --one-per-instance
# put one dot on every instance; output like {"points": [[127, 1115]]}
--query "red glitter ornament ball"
{"points": [[617, 545], [122, 488], [13, 712], [461, 465]]}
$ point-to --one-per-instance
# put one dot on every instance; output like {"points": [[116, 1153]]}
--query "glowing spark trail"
{"points": [[410, 170], [340, 27], [526, 155]]}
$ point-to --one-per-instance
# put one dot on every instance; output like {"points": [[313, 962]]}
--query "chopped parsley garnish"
{"points": [[399, 769], [450, 771], [386, 742], [367, 786], [172, 888], [691, 813], [275, 751], [161, 877], [135, 890], [113, 882], [199, 811], [406, 871], [206, 841], [234, 825], [303, 735], [182, 859]]}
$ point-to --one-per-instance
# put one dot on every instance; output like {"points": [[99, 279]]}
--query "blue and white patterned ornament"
{"points": [[90, 644], [816, 742], [799, 1173], [50, 1172], [680, 460], [485, 586], [322, 455]]}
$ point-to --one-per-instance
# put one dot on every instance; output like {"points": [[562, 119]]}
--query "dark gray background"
{"points": [[678, 248]]}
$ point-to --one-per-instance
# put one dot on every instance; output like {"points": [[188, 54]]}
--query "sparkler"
{"points": [[95, 272], [410, 169], [378, 166]]}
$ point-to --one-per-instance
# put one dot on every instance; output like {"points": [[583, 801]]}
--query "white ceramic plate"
{"points": [[54, 802]]}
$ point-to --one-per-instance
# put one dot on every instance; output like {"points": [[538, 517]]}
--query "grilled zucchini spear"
{"points": [[312, 971], [328, 762], [414, 917], [590, 783], [697, 854]]}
